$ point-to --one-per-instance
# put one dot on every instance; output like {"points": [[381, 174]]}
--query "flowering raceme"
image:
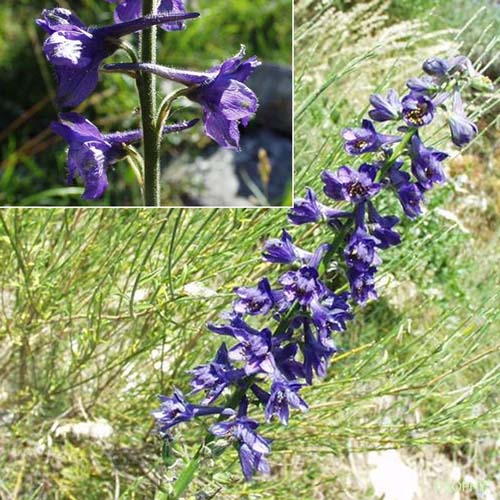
{"points": [[76, 52], [308, 308]]}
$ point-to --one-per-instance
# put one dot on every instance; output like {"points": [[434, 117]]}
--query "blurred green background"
{"points": [[33, 161]]}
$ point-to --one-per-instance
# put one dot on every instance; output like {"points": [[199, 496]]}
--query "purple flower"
{"points": [[254, 301], [462, 129], [381, 228], [398, 177], [317, 352], [90, 152], [418, 109], [176, 410], [442, 68], [410, 195], [309, 209], [283, 251], [253, 347], [330, 313], [426, 163], [284, 350], [436, 66], [461, 64], [221, 92], [284, 393], [362, 285], [252, 446], [302, 285], [76, 51], [361, 253], [132, 9], [351, 185], [173, 411], [385, 108], [366, 139], [252, 461], [214, 377], [424, 84], [54, 19]]}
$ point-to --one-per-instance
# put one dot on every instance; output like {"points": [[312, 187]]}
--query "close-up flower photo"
{"points": [[339, 344], [146, 103]]}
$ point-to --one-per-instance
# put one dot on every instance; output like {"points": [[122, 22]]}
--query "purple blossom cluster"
{"points": [[76, 53], [306, 310]]}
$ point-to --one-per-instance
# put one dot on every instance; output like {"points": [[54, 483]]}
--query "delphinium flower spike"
{"points": [[306, 310]]}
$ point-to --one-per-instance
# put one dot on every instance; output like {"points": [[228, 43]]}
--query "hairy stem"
{"points": [[147, 94]]}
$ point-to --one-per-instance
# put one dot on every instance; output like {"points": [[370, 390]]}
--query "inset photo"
{"points": [[130, 103]]}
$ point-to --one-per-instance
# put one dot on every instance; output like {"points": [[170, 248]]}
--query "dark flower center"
{"points": [[254, 304], [356, 189], [360, 144], [175, 412], [416, 115]]}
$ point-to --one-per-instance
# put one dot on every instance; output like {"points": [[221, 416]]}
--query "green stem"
{"points": [[189, 471], [147, 94], [396, 153], [166, 107], [187, 475], [134, 159], [129, 49]]}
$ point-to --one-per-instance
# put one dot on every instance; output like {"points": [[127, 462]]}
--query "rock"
{"points": [[272, 83], [391, 478], [97, 430], [225, 178]]}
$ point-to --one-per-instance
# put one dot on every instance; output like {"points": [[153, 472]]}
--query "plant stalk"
{"points": [[397, 153], [146, 84]]}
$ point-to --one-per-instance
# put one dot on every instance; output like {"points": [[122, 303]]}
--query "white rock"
{"points": [[99, 429], [197, 289], [391, 478]]}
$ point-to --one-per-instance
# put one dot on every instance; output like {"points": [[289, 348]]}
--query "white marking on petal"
{"points": [[63, 48]]}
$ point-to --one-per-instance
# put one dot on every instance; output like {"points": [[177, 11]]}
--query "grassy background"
{"points": [[102, 310], [33, 160]]}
